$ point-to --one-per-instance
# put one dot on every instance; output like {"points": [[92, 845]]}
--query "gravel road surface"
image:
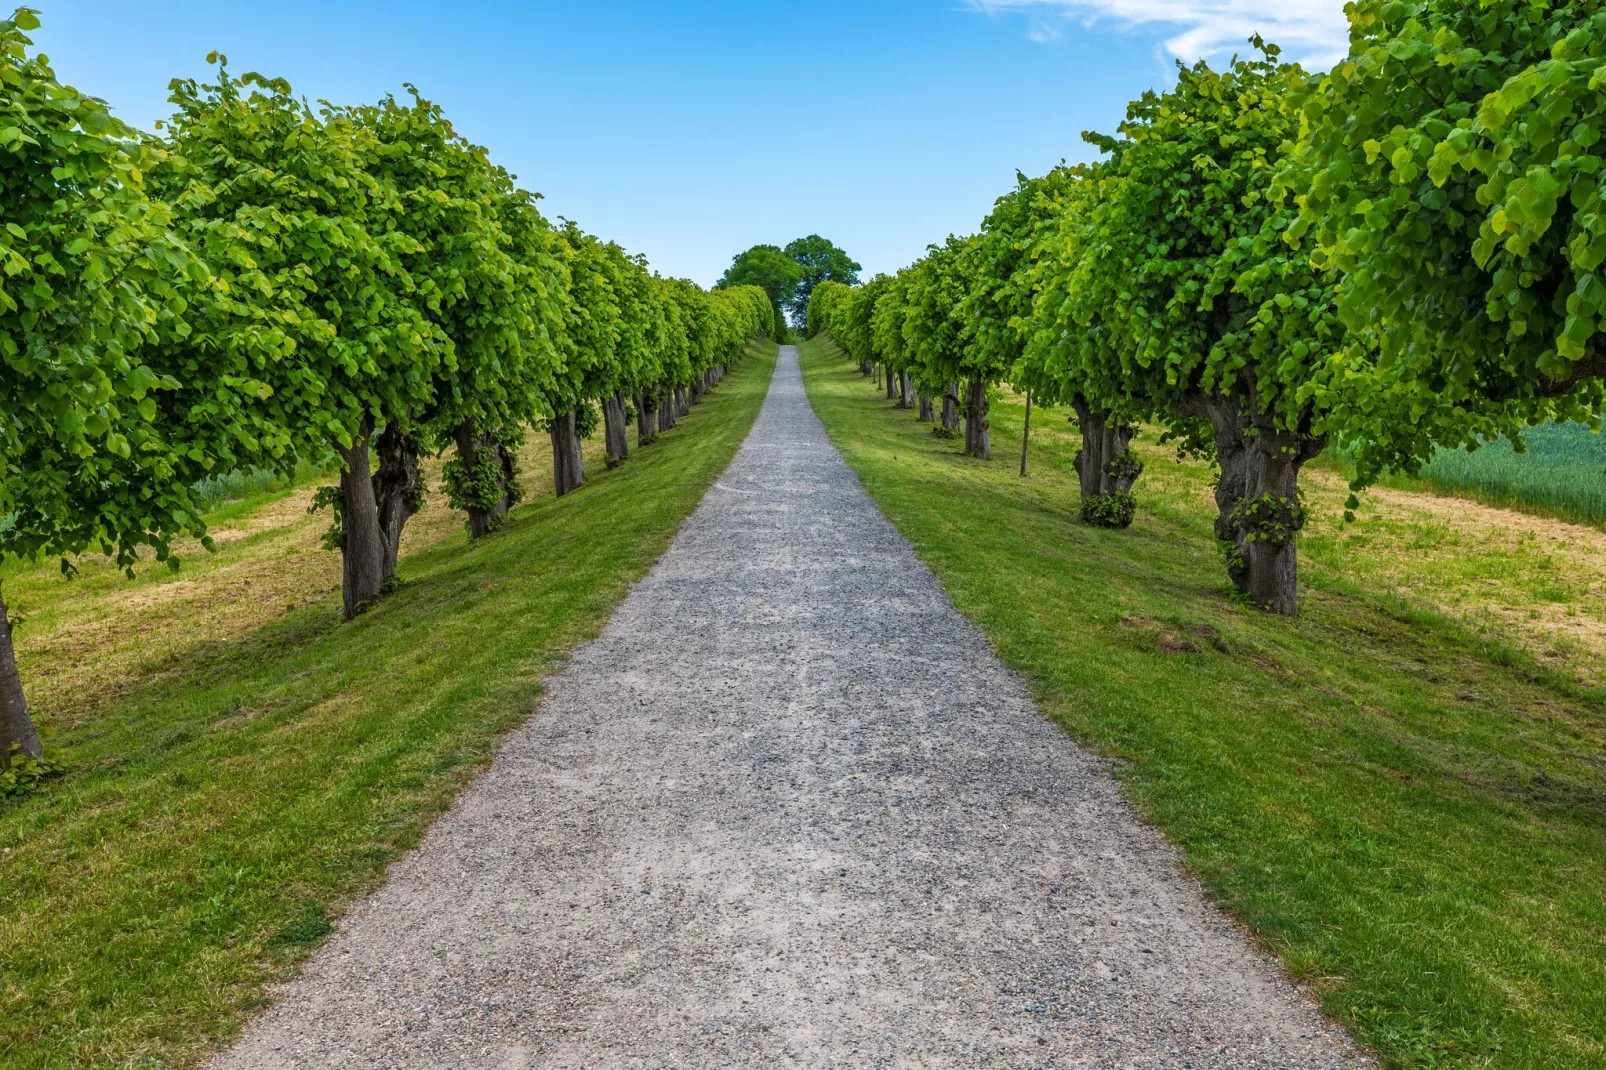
{"points": [[789, 810]]}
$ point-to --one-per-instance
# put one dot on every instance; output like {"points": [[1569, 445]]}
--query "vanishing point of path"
{"points": [[789, 810]]}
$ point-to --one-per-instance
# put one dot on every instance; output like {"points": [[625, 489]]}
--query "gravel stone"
{"points": [[790, 809]]}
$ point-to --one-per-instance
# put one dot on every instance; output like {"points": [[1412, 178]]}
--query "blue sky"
{"points": [[689, 131]]}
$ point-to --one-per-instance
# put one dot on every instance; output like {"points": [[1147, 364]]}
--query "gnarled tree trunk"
{"points": [[907, 381], [926, 415], [893, 393], [683, 400], [397, 495], [614, 432], [16, 723], [1226, 414], [362, 546], [950, 408], [646, 417], [1105, 469], [978, 440], [1271, 514], [568, 466]]}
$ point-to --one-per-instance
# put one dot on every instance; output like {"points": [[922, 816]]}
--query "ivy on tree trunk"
{"points": [[1105, 467]]}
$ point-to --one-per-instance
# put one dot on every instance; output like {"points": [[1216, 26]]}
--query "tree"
{"points": [[771, 269], [93, 455], [1181, 279], [311, 244], [1449, 168], [817, 261]]}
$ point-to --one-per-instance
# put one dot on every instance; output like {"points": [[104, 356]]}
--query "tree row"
{"points": [[1398, 255], [267, 283]]}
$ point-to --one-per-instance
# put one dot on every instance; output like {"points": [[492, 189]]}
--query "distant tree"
{"points": [[773, 270], [817, 260]]}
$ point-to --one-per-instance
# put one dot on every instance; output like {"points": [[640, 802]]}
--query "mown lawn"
{"points": [[236, 791], [1409, 813]]}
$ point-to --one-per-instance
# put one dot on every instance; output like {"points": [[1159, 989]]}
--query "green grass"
{"points": [[214, 822], [1562, 474], [1412, 817]]}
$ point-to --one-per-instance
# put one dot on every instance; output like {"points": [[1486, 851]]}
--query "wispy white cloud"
{"points": [[1311, 31]]}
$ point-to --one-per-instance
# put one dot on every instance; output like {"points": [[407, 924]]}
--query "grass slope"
{"points": [[1411, 816], [216, 819]]}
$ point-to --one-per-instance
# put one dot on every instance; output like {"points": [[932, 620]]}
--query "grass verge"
{"points": [[1411, 815], [216, 818]]}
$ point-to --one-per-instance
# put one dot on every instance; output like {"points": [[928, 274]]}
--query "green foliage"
{"points": [[1113, 510], [1269, 519], [1448, 168], [93, 451], [818, 261], [772, 270]]}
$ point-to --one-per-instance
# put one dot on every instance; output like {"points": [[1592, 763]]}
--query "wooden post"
{"points": [[1026, 435]]}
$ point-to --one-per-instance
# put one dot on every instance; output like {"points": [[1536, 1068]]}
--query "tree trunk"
{"points": [[666, 409], [1271, 515], [646, 417], [1104, 467], [978, 441], [925, 409], [893, 391], [16, 724], [482, 516], [1232, 458], [568, 465], [362, 547], [950, 408], [397, 495], [866, 369], [614, 431], [908, 383], [698, 385], [1026, 433], [683, 405]]}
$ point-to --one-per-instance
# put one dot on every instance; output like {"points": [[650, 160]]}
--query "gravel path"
{"points": [[789, 810]]}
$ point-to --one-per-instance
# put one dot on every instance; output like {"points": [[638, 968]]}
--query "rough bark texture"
{"points": [[396, 491], [646, 417], [1104, 468], [16, 725], [568, 467], [682, 401], [894, 393], [1232, 457], [950, 408], [1270, 520], [666, 409], [362, 548], [615, 433], [978, 439], [908, 382], [926, 415]]}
